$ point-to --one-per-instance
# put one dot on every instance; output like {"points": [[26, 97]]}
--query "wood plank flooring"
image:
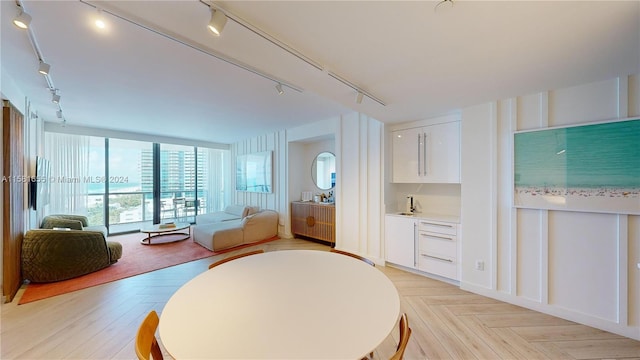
{"points": [[447, 323]]}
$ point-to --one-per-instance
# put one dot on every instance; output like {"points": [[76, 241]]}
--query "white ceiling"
{"points": [[420, 60]]}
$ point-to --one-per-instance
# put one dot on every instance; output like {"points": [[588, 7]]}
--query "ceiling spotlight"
{"points": [[22, 20], [59, 114], [279, 88], [359, 95], [100, 24], [44, 68], [55, 98], [217, 22]]}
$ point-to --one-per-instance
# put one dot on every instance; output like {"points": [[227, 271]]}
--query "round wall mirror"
{"points": [[323, 170]]}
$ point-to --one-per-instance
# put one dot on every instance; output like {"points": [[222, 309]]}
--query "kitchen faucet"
{"points": [[411, 207]]}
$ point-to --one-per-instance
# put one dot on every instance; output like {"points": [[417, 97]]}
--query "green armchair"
{"points": [[54, 255]]}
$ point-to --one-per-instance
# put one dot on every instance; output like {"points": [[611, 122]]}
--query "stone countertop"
{"points": [[430, 216]]}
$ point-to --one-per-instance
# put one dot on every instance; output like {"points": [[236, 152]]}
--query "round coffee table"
{"points": [[164, 230]]}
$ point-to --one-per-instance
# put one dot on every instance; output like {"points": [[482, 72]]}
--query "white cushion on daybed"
{"points": [[223, 235], [231, 212]]}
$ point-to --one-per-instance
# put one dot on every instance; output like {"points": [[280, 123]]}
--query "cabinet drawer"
{"points": [[438, 264], [437, 227], [439, 244]]}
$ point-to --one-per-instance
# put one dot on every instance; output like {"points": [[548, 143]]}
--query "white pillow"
{"points": [[238, 210]]}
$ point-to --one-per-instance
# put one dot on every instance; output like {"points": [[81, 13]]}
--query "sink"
{"points": [[405, 213]]}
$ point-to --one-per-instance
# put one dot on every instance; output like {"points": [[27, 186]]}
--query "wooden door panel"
{"points": [[13, 199]]}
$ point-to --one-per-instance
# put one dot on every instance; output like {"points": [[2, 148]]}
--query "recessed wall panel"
{"points": [[506, 113], [634, 270], [586, 103], [529, 251], [529, 112], [583, 263]]}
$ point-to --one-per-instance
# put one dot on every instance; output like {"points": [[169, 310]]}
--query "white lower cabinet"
{"points": [[425, 245], [399, 238], [438, 248]]}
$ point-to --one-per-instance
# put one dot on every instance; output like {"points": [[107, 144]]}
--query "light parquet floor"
{"points": [[447, 323]]}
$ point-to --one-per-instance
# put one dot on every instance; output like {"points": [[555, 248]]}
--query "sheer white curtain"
{"points": [[69, 158], [218, 179]]}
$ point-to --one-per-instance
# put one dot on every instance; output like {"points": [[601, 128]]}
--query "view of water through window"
{"points": [[121, 174]]}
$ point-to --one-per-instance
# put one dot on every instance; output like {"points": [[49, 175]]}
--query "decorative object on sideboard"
{"points": [[306, 196]]}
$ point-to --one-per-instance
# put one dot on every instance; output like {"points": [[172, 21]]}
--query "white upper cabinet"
{"points": [[428, 154], [406, 148]]}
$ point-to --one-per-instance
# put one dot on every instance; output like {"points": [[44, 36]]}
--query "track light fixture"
{"points": [[59, 114], [279, 88], [55, 98], [44, 68], [359, 96], [22, 20], [217, 22]]}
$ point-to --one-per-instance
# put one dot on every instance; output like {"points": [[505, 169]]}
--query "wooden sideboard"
{"points": [[313, 220]]}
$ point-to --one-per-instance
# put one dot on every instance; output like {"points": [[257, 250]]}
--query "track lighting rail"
{"points": [[44, 70], [238, 20], [174, 37], [289, 49], [357, 89]]}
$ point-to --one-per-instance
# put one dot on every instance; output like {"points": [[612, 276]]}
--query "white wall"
{"points": [[275, 142], [576, 265], [360, 181], [358, 146]]}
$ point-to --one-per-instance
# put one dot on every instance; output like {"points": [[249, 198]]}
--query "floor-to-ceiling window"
{"points": [[97, 185], [119, 178], [178, 182], [129, 203]]}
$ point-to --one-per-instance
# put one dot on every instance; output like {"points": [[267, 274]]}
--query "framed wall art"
{"points": [[254, 172], [592, 167]]}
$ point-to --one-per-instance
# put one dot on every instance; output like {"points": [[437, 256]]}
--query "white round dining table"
{"points": [[291, 304]]}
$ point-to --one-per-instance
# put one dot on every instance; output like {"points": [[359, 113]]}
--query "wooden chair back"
{"points": [[230, 258], [405, 333], [147, 346], [368, 261]]}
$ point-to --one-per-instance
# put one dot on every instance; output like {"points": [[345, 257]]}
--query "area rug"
{"points": [[136, 259]]}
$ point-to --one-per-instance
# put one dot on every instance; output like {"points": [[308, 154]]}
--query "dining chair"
{"points": [[405, 333], [235, 257], [147, 346], [368, 261]]}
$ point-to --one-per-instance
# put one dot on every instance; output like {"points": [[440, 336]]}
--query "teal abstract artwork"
{"points": [[593, 168]]}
